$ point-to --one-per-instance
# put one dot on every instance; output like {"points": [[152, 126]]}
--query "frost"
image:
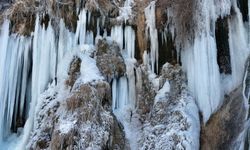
{"points": [[66, 125], [125, 12], [162, 92]]}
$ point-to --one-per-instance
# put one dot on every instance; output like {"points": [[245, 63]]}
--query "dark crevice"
{"points": [[19, 118], [223, 51], [167, 50], [137, 48], [243, 6]]}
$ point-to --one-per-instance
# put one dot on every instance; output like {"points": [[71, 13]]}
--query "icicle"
{"points": [[131, 83], [90, 38], [14, 51], [117, 35], [65, 42], [98, 27], [239, 50], [153, 35], [129, 41], [4, 37], [44, 65], [89, 17], [81, 28], [114, 94], [200, 63], [16, 86]]}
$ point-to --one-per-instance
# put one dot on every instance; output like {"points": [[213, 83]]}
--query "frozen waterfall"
{"points": [[28, 65]]}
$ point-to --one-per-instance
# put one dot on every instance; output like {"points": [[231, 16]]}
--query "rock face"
{"points": [[230, 122], [77, 116], [109, 60], [225, 126], [173, 121]]}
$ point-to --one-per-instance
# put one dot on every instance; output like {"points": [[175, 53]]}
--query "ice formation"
{"points": [[200, 59], [22, 84], [152, 34], [19, 82]]}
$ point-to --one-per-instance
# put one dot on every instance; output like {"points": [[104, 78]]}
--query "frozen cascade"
{"points": [[152, 34], [128, 81], [117, 35], [200, 63], [14, 78], [19, 87], [200, 59], [239, 49], [123, 89], [65, 42], [43, 70]]}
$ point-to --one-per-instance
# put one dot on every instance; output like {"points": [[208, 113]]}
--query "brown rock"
{"points": [[223, 128], [109, 60]]}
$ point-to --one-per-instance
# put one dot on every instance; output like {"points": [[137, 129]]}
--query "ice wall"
{"points": [[152, 34], [239, 48], [123, 88], [27, 66], [14, 78], [200, 62], [199, 59]]}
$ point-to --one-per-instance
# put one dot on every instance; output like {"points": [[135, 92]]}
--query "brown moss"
{"points": [[42, 144], [74, 71], [64, 141], [104, 93], [109, 60], [22, 15], [79, 98], [145, 96], [65, 9]]}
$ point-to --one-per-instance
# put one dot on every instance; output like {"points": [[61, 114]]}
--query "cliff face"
{"points": [[101, 74]]}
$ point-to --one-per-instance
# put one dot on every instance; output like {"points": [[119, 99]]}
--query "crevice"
{"points": [[167, 49], [243, 6], [222, 43]]}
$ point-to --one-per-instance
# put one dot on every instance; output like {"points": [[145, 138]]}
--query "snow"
{"points": [[179, 129], [89, 70], [66, 125], [125, 12], [161, 94], [223, 7]]}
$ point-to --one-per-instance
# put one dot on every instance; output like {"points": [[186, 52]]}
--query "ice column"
{"points": [[200, 62], [152, 34], [239, 49]]}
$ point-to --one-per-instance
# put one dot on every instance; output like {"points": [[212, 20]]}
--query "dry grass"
{"points": [[74, 71], [22, 15], [79, 98], [182, 17]]}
